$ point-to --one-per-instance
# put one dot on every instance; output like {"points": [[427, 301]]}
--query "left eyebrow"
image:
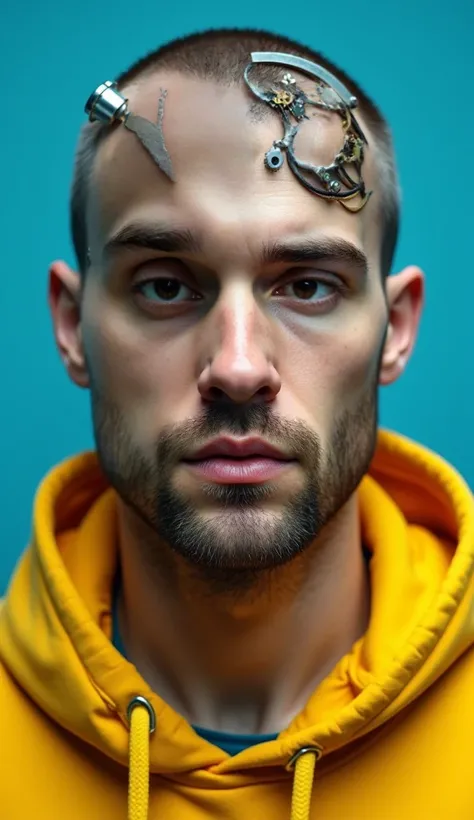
{"points": [[326, 248]]}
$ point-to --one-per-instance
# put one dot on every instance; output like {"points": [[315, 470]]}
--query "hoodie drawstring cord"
{"points": [[304, 764], [142, 721]]}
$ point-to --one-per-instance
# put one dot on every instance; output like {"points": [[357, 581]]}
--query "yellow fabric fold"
{"points": [[65, 690]]}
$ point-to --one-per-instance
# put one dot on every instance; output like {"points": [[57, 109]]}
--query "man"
{"points": [[248, 603]]}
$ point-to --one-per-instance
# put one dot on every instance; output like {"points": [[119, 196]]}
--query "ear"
{"points": [[64, 297], [404, 293]]}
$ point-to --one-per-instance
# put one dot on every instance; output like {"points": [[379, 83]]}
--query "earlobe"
{"points": [[64, 302], [405, 301]]}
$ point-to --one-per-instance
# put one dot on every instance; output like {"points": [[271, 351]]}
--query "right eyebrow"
{"points": [[153, 236]]}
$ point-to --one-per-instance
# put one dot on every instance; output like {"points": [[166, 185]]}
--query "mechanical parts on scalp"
{"points": [[108, 105], [328, 181], [274, 158]]}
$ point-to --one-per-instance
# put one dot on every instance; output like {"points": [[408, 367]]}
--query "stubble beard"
{"points": [[240, 541]]}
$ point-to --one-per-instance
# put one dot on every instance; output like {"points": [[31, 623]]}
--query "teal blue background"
{"points": [[414, 57]]}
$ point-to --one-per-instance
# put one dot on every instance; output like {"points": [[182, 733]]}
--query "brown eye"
{"points": [[165, 289], [305, 288], [309, 288]]}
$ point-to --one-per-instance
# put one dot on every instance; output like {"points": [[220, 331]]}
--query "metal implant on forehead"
{"points": [[107, 105], [342, 179]]}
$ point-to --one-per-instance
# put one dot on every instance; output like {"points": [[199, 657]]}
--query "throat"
{"points": [[238, 656]]}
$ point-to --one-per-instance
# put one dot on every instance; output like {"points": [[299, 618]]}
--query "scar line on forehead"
{"points": [[107, 105]]}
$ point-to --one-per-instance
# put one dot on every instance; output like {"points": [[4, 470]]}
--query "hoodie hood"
{"points": [[417, 520]]}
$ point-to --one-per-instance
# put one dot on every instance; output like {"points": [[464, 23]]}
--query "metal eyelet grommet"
{"points": [[274, 159], [140, 701], [315, 750]]}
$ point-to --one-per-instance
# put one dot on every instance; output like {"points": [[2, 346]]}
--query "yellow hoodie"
{"points": [[388, 734]]}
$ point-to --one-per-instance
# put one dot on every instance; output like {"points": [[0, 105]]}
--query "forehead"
{"points": [[217, 137]]}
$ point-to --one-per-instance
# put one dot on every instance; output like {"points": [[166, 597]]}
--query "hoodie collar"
{"points": [[417, 519]]}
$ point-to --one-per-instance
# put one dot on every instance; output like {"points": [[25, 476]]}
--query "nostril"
{"points": [[264, 393], [216, 394]]}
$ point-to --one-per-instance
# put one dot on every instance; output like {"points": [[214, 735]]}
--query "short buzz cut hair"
{"points": [[221, 55]]}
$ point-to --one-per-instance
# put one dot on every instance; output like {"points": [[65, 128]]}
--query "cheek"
{"points": [[331, 371], [143, 373]]}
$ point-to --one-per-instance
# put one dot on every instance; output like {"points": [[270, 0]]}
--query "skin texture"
{"points": [[235, 571]]}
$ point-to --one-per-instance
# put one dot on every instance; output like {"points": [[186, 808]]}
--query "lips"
{"points": [[233, 448], [234, 461]]}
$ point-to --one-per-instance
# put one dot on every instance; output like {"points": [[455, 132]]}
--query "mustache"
{"points": [[227, 418]]}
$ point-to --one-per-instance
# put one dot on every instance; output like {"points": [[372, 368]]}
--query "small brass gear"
{"points": [[283, 98]]}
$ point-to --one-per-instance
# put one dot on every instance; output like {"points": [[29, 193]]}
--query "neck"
{"points": [[240, 657]]}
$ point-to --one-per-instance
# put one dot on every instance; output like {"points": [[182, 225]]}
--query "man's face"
{"points": [[243, 332]]}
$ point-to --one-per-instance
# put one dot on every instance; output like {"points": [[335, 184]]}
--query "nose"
{"points": [[237, 351]]}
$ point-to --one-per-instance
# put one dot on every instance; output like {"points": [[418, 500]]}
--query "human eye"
{"points": [[311, 289], [165, 290], [164, 287]]}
